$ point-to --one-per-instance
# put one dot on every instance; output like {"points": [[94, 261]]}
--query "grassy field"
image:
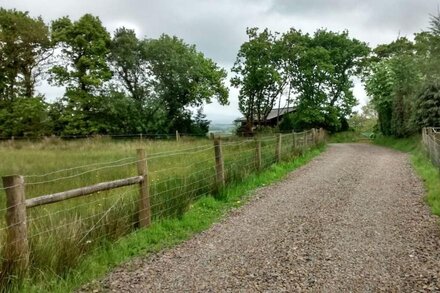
{"points": [[62, 234]]}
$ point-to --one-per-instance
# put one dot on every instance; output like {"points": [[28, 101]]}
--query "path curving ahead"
{"points": [[352, 220]]}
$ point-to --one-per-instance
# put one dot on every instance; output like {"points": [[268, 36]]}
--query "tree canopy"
{"points": [[24, 45], [258, 75], [114, 84], [118, 83], [402, 82], [317, 69]]}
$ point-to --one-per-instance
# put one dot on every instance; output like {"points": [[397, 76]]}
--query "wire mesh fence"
{"points": [[431, 141], [76, 214]]}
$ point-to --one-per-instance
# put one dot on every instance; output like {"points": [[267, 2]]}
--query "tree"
{"points": [[392, 86], [130, 65], [428, 49], [183, 77], [386, 51], [379, 86], [320, 69], [26, 117], [201, 124], [85, 46], [366, 120], [347, 58], [258, 75], [427, 102], [427, 107], [24, 45], [134, 78]]}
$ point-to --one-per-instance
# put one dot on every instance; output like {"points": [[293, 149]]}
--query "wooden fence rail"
{"points": [[16, 252]]}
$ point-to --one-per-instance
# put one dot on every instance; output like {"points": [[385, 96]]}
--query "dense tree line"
{"points": [[403, 80], [114, 84], [119, 84], [315, 72]]}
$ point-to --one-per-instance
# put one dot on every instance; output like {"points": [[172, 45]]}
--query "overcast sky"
{"points": [[217, 28]]}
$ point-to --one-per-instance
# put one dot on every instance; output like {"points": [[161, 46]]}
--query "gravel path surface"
{"points": [[352, 220]]}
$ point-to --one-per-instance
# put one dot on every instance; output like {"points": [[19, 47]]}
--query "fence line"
{"points": [[431, 141], [78, 167], [110, 213]]}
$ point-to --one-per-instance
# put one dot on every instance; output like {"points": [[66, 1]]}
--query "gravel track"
{"points": [[352, 220]]}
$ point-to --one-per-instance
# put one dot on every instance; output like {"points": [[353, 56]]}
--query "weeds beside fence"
{"points": [[431, 141], [51, 220]]}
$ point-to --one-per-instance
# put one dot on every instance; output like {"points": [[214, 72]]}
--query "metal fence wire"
{"points": [[431, 141], [49, 221]]}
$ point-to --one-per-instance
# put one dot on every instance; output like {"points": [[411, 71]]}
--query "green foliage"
{"points": [[398, 47], [323, 66], [288, 123], [363, 122], [318, 69], [81, 113], [113, 85], [403, 81], [427, 107], [85, 46], [24, 43], [258, 76], [392, 84], [183, 77], [130, 65], [346, 137], [26, 117], [200, 125]]}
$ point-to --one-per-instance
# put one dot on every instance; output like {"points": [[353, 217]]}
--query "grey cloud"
{"points": [[313, 7], [384, 17]]}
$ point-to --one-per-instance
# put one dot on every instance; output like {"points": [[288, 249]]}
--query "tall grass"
{"points": [[165, 232], [421, 163], [61, 234]]}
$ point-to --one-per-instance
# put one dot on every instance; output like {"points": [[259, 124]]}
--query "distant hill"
{"points": [[227, 128]]}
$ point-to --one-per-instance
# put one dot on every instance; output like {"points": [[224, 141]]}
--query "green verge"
{"points": [[345, 137], [422, 165], [169, 232]]}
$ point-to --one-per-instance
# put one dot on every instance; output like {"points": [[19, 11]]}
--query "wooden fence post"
{"points": [[16, 252], [278, 148], [144, 190], [294, 141], [219, 163], [424, 136], [258, 154], [177, 135]]}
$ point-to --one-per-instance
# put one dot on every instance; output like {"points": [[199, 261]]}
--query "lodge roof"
{"points": [[273, 114]]}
